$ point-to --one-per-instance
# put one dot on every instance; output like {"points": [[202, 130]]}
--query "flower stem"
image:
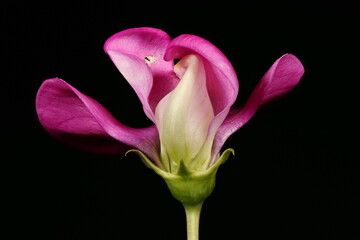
{"points": [[192, 220]]}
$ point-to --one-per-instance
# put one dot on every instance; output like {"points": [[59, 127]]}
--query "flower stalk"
{"points": [[192, 220]]}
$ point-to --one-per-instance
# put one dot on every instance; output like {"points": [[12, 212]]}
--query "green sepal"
{"points": [[148, 163], [188, 186], [143, 158]]}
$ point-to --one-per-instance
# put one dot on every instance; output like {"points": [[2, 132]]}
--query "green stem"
{"points": [[192, 220]]}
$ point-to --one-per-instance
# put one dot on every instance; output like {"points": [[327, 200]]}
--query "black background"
{"points": [[296, 173]]}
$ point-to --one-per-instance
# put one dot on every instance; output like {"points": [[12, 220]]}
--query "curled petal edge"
{"points": [[282, 77], [79, 120]]}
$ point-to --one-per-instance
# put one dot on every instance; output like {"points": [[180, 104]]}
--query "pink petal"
{"points": [[283, 76], [79, 120], [138, 54], [221, 80]]}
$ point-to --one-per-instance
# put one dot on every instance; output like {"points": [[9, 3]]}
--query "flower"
{"points": [[189, 104]]}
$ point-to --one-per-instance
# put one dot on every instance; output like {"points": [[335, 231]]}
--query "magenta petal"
{"points": [[283, 75], [138, 54], [79, 120]]}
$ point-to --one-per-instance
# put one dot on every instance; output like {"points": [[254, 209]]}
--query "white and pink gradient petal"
{"points": [[221, 81]]}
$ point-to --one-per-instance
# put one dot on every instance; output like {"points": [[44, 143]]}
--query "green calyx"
{"points": [[188, 187]]}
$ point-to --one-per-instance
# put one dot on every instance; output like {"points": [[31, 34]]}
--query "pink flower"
{"points": [[189, 103]]}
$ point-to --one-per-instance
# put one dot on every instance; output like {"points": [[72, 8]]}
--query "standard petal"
{"points": [[283, 76], [138, 53], [79, 120], [221, 80]]}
